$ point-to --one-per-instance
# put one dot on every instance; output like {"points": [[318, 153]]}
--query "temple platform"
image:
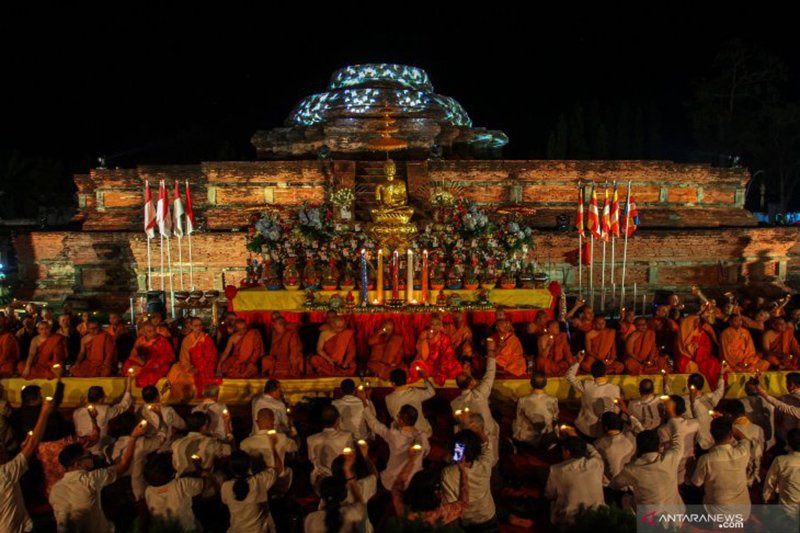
{"points": [[240, 391]]}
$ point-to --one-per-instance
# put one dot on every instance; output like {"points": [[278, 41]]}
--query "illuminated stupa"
{"points": [[344, 119]]}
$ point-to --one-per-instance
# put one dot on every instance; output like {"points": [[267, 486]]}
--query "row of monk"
{"points": [[699, 342]]}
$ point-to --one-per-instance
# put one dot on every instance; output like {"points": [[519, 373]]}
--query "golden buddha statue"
{"points": [[392, 199]]}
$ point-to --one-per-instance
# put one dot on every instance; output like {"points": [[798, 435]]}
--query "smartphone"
{"points": [[458, 452]]}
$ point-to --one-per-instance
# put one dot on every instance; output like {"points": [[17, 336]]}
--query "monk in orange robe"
{"points": [[83, 327], [97, 356], [115, 326], [601, 345], [151, 357], [694, 347], [585, 320], [666, 329], [554, 356], [9, 350], [780, 347], [336, 351], [285, 356], [539, 324], [737, 348], [47, 349], [197, 363], [641, 351], [626, 326], [385, 351], [158, 323], [242, 353], [509, 356], [435, 355], [460, 336]]}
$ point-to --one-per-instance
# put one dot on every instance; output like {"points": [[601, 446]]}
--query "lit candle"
{"points": [[379, 281], [410, 277], [395, 275], [424, 277], [364, 279]]}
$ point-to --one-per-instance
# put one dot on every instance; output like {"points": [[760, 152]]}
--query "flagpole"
{"points": [[603, 282], [591, 270], [191, 266], [171, 291], [613, 292], [580, 266], [180, 261], [625, 246], [161, 249], [149, 269]]}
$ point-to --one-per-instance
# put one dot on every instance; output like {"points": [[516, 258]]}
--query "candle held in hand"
{"points": [[347, 450], [362, 442], [271, 432]]}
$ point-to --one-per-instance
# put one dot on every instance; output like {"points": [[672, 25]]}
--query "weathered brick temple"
{"points": [[694, 227]]}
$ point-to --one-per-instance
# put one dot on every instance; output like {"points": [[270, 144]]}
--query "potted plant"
{"points": [[342, 200]]}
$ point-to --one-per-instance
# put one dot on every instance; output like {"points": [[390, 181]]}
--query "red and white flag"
{"points": [[149, 212], [630, 220], [593, 221], [177, 213], [162, 213], [615, 212], [190, 224], [606, 224], [579, 216]]}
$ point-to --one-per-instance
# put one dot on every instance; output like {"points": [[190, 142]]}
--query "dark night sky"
{"points": [[155, 87]]}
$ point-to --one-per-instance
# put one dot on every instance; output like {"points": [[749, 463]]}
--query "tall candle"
{"points": [[379, 280], [364, 279], [410, 277], [424, 276], [395, 275]]}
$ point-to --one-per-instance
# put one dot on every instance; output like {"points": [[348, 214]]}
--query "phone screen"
{"points": [[458, 452]]}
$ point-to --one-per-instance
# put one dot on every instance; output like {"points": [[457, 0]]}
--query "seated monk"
{"points": [[161, 328], [151, 357], [336, 351], [509, 355], [780, 346], [641, 351], [554, 356], [665, 328], [539, 324], [47, 349], [460, 336], [115, 326], [585, 320], [385, 351], [435, 355], [601, 345], [285, 356], [737, 349], [97, 356], [330, 316], [626, 326], [83, 327], [242, 354], [197, 363], [9, 350], [225, 330], [695, 344]]}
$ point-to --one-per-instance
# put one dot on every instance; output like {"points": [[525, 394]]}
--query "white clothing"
{"points": [[575, 483], [216, 420], [250, 515], [323, 448], [399, 442], [208, 448], [13, 514], [480, 507], [413, 396], [75, 499], [536, 416], [83, 421], [173, 501], [351, 416], [596, 399]]}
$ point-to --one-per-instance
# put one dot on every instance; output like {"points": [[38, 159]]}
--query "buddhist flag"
{"points": [[149, 212], [630, 217], [615, 212], [593, 220], [579, 216], [190, 224], [177, 213], [606, 225], [162, 211]]}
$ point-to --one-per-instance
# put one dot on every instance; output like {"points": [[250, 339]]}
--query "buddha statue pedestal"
{"points": [[391, 228]]}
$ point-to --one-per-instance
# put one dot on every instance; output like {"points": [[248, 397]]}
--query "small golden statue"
{"points": [[392, 229], [393, 199]]}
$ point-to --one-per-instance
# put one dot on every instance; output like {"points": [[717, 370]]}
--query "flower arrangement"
{"points": [[343, 197]]}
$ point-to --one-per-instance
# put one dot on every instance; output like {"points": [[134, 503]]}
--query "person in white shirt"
{"points": [[734, 409], [475, 448], [273, 399], [169, 498], [75, 499], [160, 418], [618, 446], [198, 449], [699, 405], [646, 407], [783, 477], [404, 394], [597, 397], [246, 495], [400, 437], [351, 411], [722, 472], [687, 428], [653, 476], [339, 516], [120, 429], [325, 446], [13, 514], [366, 478], [475, 397], [761, 413], [784, 421], [537, 416], [575, 482], [261, 446], [96, 410], [218, 414]]}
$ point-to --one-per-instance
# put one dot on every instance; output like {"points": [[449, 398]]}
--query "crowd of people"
{"points": [[371, 459]]}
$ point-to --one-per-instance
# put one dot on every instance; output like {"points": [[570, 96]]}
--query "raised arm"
{"points": [[572, 375], [486, 383]]}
